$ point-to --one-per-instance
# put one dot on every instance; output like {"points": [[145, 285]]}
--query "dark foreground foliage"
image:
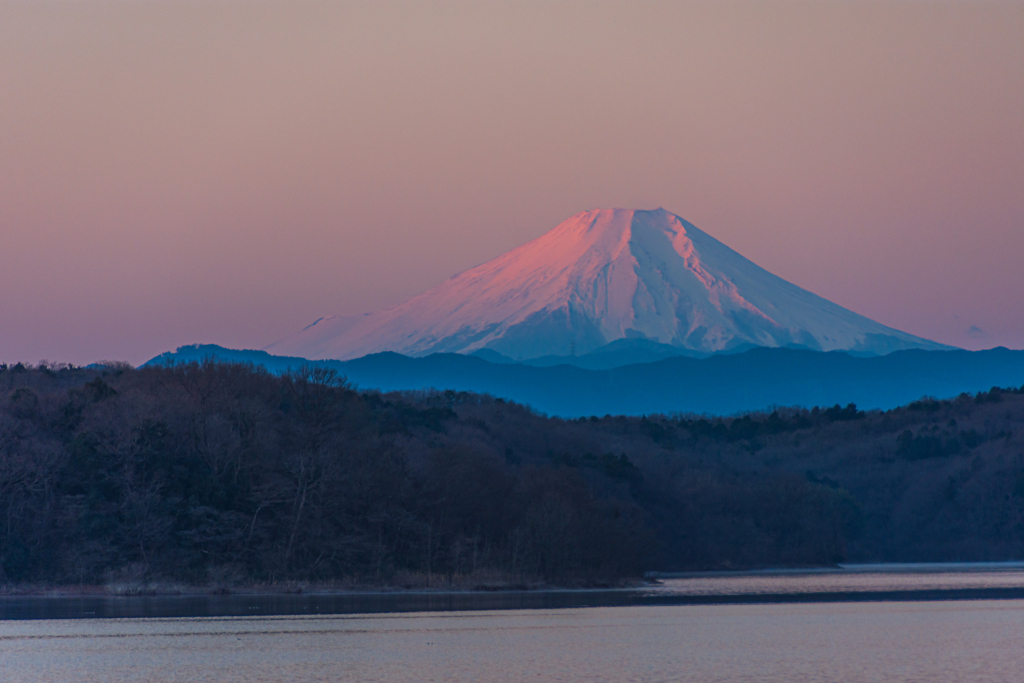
{"points": [[217, 472]]}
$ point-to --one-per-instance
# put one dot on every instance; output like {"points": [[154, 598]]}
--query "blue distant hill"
{"points": [[719, 384]]}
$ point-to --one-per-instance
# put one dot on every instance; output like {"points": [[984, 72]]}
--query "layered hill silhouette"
{"points": [[644, 278], [721, 384]]}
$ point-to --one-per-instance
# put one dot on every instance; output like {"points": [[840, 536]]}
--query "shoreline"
{"points": [[801, 586], [470, 586], [354, 605], [170, 590]]}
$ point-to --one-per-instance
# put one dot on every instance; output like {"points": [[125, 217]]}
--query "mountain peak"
{"points": [[600, 276]]}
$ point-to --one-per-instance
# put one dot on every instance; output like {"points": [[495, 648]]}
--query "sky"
{"points": [[175, 172]]}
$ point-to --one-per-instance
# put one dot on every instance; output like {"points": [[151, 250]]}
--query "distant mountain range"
{"points": [[719, 384], [645, 278]]}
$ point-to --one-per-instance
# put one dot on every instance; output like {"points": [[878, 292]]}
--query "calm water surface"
{"points": [[860, 624], [851, 642]]}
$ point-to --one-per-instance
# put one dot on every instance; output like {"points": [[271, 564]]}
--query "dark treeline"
{"points": [[218, 473]]}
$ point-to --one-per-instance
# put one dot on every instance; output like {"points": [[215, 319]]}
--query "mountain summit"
{"points": [[602, 276]]}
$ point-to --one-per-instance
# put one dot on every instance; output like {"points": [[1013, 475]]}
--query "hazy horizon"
{"points": [[176, 172]]}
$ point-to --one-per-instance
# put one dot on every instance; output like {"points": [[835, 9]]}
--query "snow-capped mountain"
{"points": [[602, 276]]}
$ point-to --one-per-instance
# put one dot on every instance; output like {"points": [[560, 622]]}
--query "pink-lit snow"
{"points": [[598, 277]]}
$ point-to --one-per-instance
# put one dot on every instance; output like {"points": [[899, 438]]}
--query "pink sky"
{"points": [[227, 172]]}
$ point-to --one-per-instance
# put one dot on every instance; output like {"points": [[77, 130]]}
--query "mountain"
{"points": [[600, 277], [722, 384]]}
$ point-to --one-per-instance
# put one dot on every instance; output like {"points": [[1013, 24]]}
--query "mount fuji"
{"points": [[597, 278]]}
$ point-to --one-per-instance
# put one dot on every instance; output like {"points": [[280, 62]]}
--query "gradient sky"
{"points": [[227, 172]]}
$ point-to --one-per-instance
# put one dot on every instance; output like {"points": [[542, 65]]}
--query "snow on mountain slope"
{"points": [[601, 276]]}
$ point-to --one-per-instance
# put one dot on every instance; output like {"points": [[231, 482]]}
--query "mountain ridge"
{"points": [[722, 384]]}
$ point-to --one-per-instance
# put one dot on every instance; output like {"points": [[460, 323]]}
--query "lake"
{"points": [[932, 623]]}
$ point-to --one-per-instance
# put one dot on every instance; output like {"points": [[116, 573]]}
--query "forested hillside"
{"points": [[220, 473]]}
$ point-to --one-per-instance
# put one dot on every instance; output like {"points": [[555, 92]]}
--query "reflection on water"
{"points": [[878, 641]]}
